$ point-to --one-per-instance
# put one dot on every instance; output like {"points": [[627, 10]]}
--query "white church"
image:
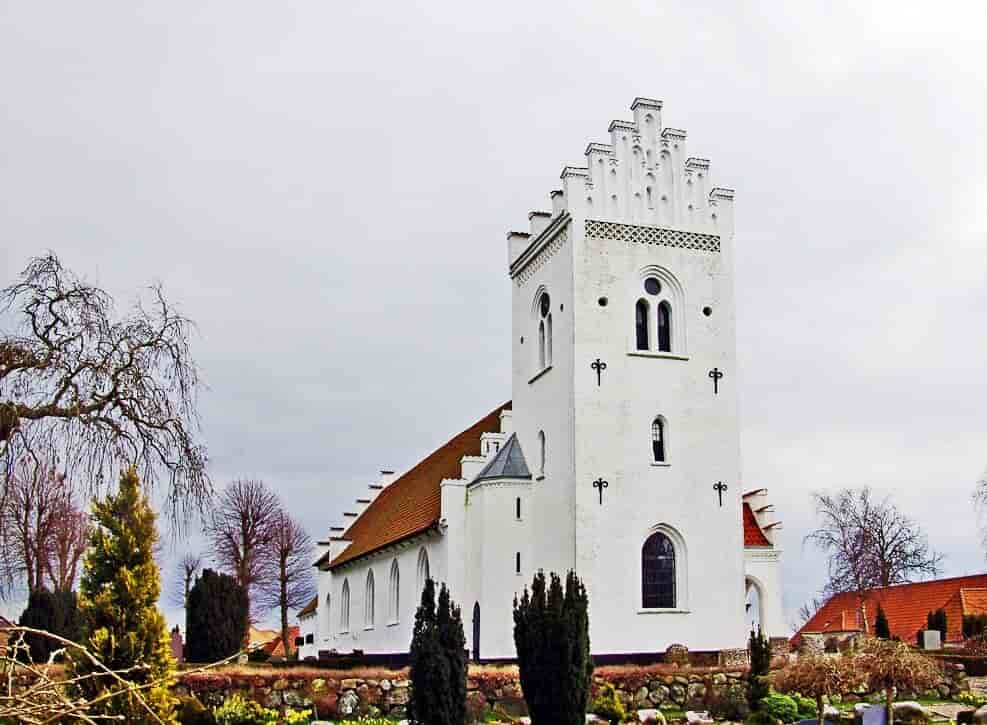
{"points": [[618, 455]]}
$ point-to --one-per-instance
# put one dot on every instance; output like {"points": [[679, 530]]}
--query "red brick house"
{"points": [[906, 606]]}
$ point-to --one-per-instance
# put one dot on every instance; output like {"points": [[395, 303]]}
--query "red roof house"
{"points": [[906, 605]]}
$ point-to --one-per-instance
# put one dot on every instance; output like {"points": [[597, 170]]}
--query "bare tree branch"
{"points": [[89, 391], [292, 584]]}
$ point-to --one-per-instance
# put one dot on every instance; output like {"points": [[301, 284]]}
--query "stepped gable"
{"points": [[508, 463], [412, 503], [906, 606], [753, 534]]}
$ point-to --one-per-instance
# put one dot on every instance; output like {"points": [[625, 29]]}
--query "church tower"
{"points": [[625, 392]]}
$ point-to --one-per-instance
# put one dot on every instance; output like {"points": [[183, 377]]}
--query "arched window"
{"points": [[641, 324], [658, 572], [664, 327], [541, 453], [394, 595], [517, 508], [541, 345], [344, 607], [548, 340], [368, 601], [423, 573], [327, 626], [658, 440]]}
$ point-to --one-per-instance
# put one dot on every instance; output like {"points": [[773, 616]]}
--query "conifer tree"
{"points": [[452, 642], [218, 615], [881, 628], [551, 635], [431, 699], [54, 612], [757, 684], [118, 598]]}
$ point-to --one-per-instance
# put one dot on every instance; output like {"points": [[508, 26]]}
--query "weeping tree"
{"points": [[551, 635], [818, 676], [888, 666], [87, 388]]}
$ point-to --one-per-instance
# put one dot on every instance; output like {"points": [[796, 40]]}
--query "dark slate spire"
{"points": [[508, 463]]}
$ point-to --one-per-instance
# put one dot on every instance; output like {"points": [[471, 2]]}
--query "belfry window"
{"points": [[641, 324], [658, 572], [658, 440], [664, 327]]}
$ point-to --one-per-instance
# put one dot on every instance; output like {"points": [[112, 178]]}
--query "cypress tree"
{"points": [[431, 699], [881, 628], [551, 635], [218, 616], [757, 683], [118, 598], [452, 642], [54, 612]]}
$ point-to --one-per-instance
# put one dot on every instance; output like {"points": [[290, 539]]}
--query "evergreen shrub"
{"points": [[54, 612], [881, 628], [782, 707], [731, 704], [218, 616], [607, 705], [438, 661], [937, 620], [551, 636], [760, 656]]}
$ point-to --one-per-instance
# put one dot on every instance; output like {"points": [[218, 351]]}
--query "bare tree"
{"points": [[869, 543], [81, 387], [187, 568], [806, 612], [241, 528], [36, 498], [69, 538], [292, 584]]}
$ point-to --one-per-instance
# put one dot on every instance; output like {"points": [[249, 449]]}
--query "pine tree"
{"points": [[54, 612], [431, 699], [218, 615], [452, 642], [881, 628], [118, 600], [551, 635], [757, 683]]}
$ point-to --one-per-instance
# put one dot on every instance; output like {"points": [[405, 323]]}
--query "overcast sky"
{"points": [[325, 187]]}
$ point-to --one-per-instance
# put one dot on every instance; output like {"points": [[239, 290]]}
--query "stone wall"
{"points": [[383, 692]]}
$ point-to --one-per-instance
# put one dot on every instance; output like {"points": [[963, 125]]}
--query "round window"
{"points": [[545, 304], [652, 286]]}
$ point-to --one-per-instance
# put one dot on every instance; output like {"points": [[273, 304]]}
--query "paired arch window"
{"points": [[658, 572], [344, 607], [653, 331], [394, 595], [658, 440], [368, 601], [544, 331]]}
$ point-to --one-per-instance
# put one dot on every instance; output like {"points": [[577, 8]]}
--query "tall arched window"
{"points": [[541, 345], [394, 595], [548, 340], [344, 607], [658, 572], [541, 453], [664, 327], [641, 324], [327, 626], [368, 601], [423, 573], [658, 440]]}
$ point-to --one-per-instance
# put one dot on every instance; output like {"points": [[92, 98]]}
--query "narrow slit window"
{"points": [[517, 563], [517, 508], [658, 440], [664, 327]]}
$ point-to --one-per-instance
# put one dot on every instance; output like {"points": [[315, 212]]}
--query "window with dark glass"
{"points": [[544, 304], [658, 440], [517, 562], [517, 507], [641, 324], [652, 286], [664, 327], [658, 572]]}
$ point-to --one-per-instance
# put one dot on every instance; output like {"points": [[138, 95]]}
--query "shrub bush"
{"points": [[55, 612], [937, 620], [608, 706], [757, 684], [731, 704], [974, 625], [806, 706], [781, 707], [192, 712], [218, 614]]}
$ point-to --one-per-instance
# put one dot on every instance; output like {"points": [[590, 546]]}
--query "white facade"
{"points": [[632, 269]]}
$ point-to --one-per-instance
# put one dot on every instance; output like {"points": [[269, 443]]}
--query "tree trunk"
{"points": [[889, 703], [284, 611], [820, 708]]}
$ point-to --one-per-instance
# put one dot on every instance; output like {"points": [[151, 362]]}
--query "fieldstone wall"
{"points": [[334, 695]]}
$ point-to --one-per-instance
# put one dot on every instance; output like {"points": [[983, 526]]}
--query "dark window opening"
{"points": [[517, 563], [517, 507], [658, 572], [658, 440], [664, 327], [652, 286], [641, 324]]}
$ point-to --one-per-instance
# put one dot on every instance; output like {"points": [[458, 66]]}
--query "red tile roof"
{"points": [[411, 504], [906, 606], [753, 535], [309, 608]]}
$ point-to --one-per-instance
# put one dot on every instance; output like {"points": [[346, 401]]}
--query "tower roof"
{"points": [[508, 463]]}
